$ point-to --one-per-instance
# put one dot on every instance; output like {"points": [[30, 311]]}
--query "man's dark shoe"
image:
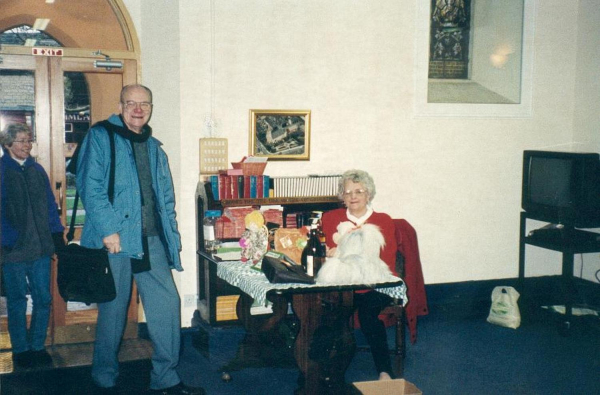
{"points": [[22, 360], [41, 358], [179, 389]]}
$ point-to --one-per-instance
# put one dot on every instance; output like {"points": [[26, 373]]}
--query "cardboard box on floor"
{"points": [[387, 387]]}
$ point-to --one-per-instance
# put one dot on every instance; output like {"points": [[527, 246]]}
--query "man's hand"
{"points": [[112, 243]]}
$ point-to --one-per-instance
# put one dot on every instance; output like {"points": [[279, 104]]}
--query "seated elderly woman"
{"points": [[357, 190]]}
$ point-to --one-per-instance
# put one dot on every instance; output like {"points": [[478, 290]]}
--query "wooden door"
{"points": [[59, 122]]}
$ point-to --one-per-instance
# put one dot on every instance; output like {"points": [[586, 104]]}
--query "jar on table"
{"points": [[211, 243]]}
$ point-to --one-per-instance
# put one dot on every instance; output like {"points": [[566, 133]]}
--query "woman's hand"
{"points": [[331, 251], [112, 243]]}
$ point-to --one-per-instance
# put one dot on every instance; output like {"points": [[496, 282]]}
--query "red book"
{"points": [[246, 187], [228, 194], [235, 191], [222, 186]]}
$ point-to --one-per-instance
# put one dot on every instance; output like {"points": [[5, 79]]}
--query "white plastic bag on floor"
{"points": [[505, 310]]}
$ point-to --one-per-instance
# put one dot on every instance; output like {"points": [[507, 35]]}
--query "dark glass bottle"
{"points": [[322, 237], [314, 253]]}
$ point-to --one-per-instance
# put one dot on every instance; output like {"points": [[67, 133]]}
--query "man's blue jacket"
{"points": [[124, 215]]}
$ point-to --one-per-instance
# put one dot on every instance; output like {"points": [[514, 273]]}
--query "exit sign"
{"points": [[47, 51]]}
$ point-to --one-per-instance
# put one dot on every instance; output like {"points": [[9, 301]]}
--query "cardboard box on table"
{"points": [[387, 387]]}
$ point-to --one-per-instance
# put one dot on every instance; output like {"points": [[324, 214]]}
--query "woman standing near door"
{"points": [[30, 230]]}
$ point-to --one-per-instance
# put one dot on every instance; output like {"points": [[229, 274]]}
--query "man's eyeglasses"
{"points": [[23, 141], [132, 105], [356, 192]]}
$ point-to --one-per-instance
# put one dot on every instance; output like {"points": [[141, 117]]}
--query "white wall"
{"points": [[351, 62], [497, 31]]}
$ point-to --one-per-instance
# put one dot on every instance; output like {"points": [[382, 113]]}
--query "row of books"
{"points": [[231, 186], [226, 186], [314, 185]]}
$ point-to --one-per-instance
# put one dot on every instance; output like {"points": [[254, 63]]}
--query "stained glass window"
{"points": [[449, 39]]}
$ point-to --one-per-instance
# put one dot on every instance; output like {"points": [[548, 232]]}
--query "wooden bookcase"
{"points": [[216, 297]]}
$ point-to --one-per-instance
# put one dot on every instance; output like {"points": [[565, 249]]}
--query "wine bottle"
{"points": [[314, 253], [323, 244]]}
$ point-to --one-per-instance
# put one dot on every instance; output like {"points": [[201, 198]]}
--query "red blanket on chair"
{"points": [[413, 274]]}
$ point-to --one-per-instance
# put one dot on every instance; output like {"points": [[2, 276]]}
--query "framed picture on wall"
{"points": [[280, 134]]}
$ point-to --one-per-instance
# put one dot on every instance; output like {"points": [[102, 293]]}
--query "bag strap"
{"points": [[111, 187]]}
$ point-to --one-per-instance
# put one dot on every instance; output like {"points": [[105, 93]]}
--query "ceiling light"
{"points": [[49, 1], [30, 42], [41, 24]]}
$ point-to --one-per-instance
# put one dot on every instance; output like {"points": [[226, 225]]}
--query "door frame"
{"points": [[67, 326]]}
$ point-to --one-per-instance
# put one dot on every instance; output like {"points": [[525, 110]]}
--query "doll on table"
{"points": [[254, 240]]}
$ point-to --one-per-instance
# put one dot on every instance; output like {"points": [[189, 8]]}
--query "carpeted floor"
{"points": [[452, 356], [134, 379], [456, 353]]}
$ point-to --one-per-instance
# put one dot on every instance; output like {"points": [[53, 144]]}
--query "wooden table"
{"points": [[325, 343]]}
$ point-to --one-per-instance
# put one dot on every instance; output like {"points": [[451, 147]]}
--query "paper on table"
{"points": [[229, 256], [229, 253]]}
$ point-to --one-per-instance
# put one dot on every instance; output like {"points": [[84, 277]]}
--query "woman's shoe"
{"points": [[23, 360], [41, 358]]}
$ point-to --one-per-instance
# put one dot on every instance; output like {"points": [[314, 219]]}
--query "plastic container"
{"points": [[211, 243]]}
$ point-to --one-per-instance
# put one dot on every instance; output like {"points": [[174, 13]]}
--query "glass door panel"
{"points": [[77, 122], [80, 96]]}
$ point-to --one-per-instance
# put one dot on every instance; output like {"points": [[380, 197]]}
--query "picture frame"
{"points": [[280, 134]]}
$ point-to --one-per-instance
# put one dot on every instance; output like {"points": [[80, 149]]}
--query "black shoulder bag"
{"points": [[84, 274]]}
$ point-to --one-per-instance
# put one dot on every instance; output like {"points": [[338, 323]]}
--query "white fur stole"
{"points": [[356, 260]]}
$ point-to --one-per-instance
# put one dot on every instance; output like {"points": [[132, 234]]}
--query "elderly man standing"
{"points": [[139, 230]]}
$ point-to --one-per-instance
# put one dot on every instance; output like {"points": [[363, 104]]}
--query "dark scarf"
{"points": [[127, 134]]}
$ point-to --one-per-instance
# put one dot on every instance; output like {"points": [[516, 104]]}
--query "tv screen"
{"points": [[562, 187]]}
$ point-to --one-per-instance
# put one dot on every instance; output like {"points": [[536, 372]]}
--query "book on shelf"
{"points": [[266, 186], [260, 191], [230, 186], [226, 308], [246, 194], [253, 187], [225, 186], [313, 185], [214, 186], [235, 187], [240, 182]]}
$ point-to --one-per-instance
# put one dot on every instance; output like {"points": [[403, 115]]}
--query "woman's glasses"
{"points": [[356, 192], [23, 141]]}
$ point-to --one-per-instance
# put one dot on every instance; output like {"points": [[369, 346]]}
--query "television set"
{"points": [[562, 187]]}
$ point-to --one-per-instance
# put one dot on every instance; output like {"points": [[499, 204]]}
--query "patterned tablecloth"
{"points": [[254, 283]]}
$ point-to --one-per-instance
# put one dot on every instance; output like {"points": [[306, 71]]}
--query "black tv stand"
{"points": [[565, 236], [562, 238]]}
